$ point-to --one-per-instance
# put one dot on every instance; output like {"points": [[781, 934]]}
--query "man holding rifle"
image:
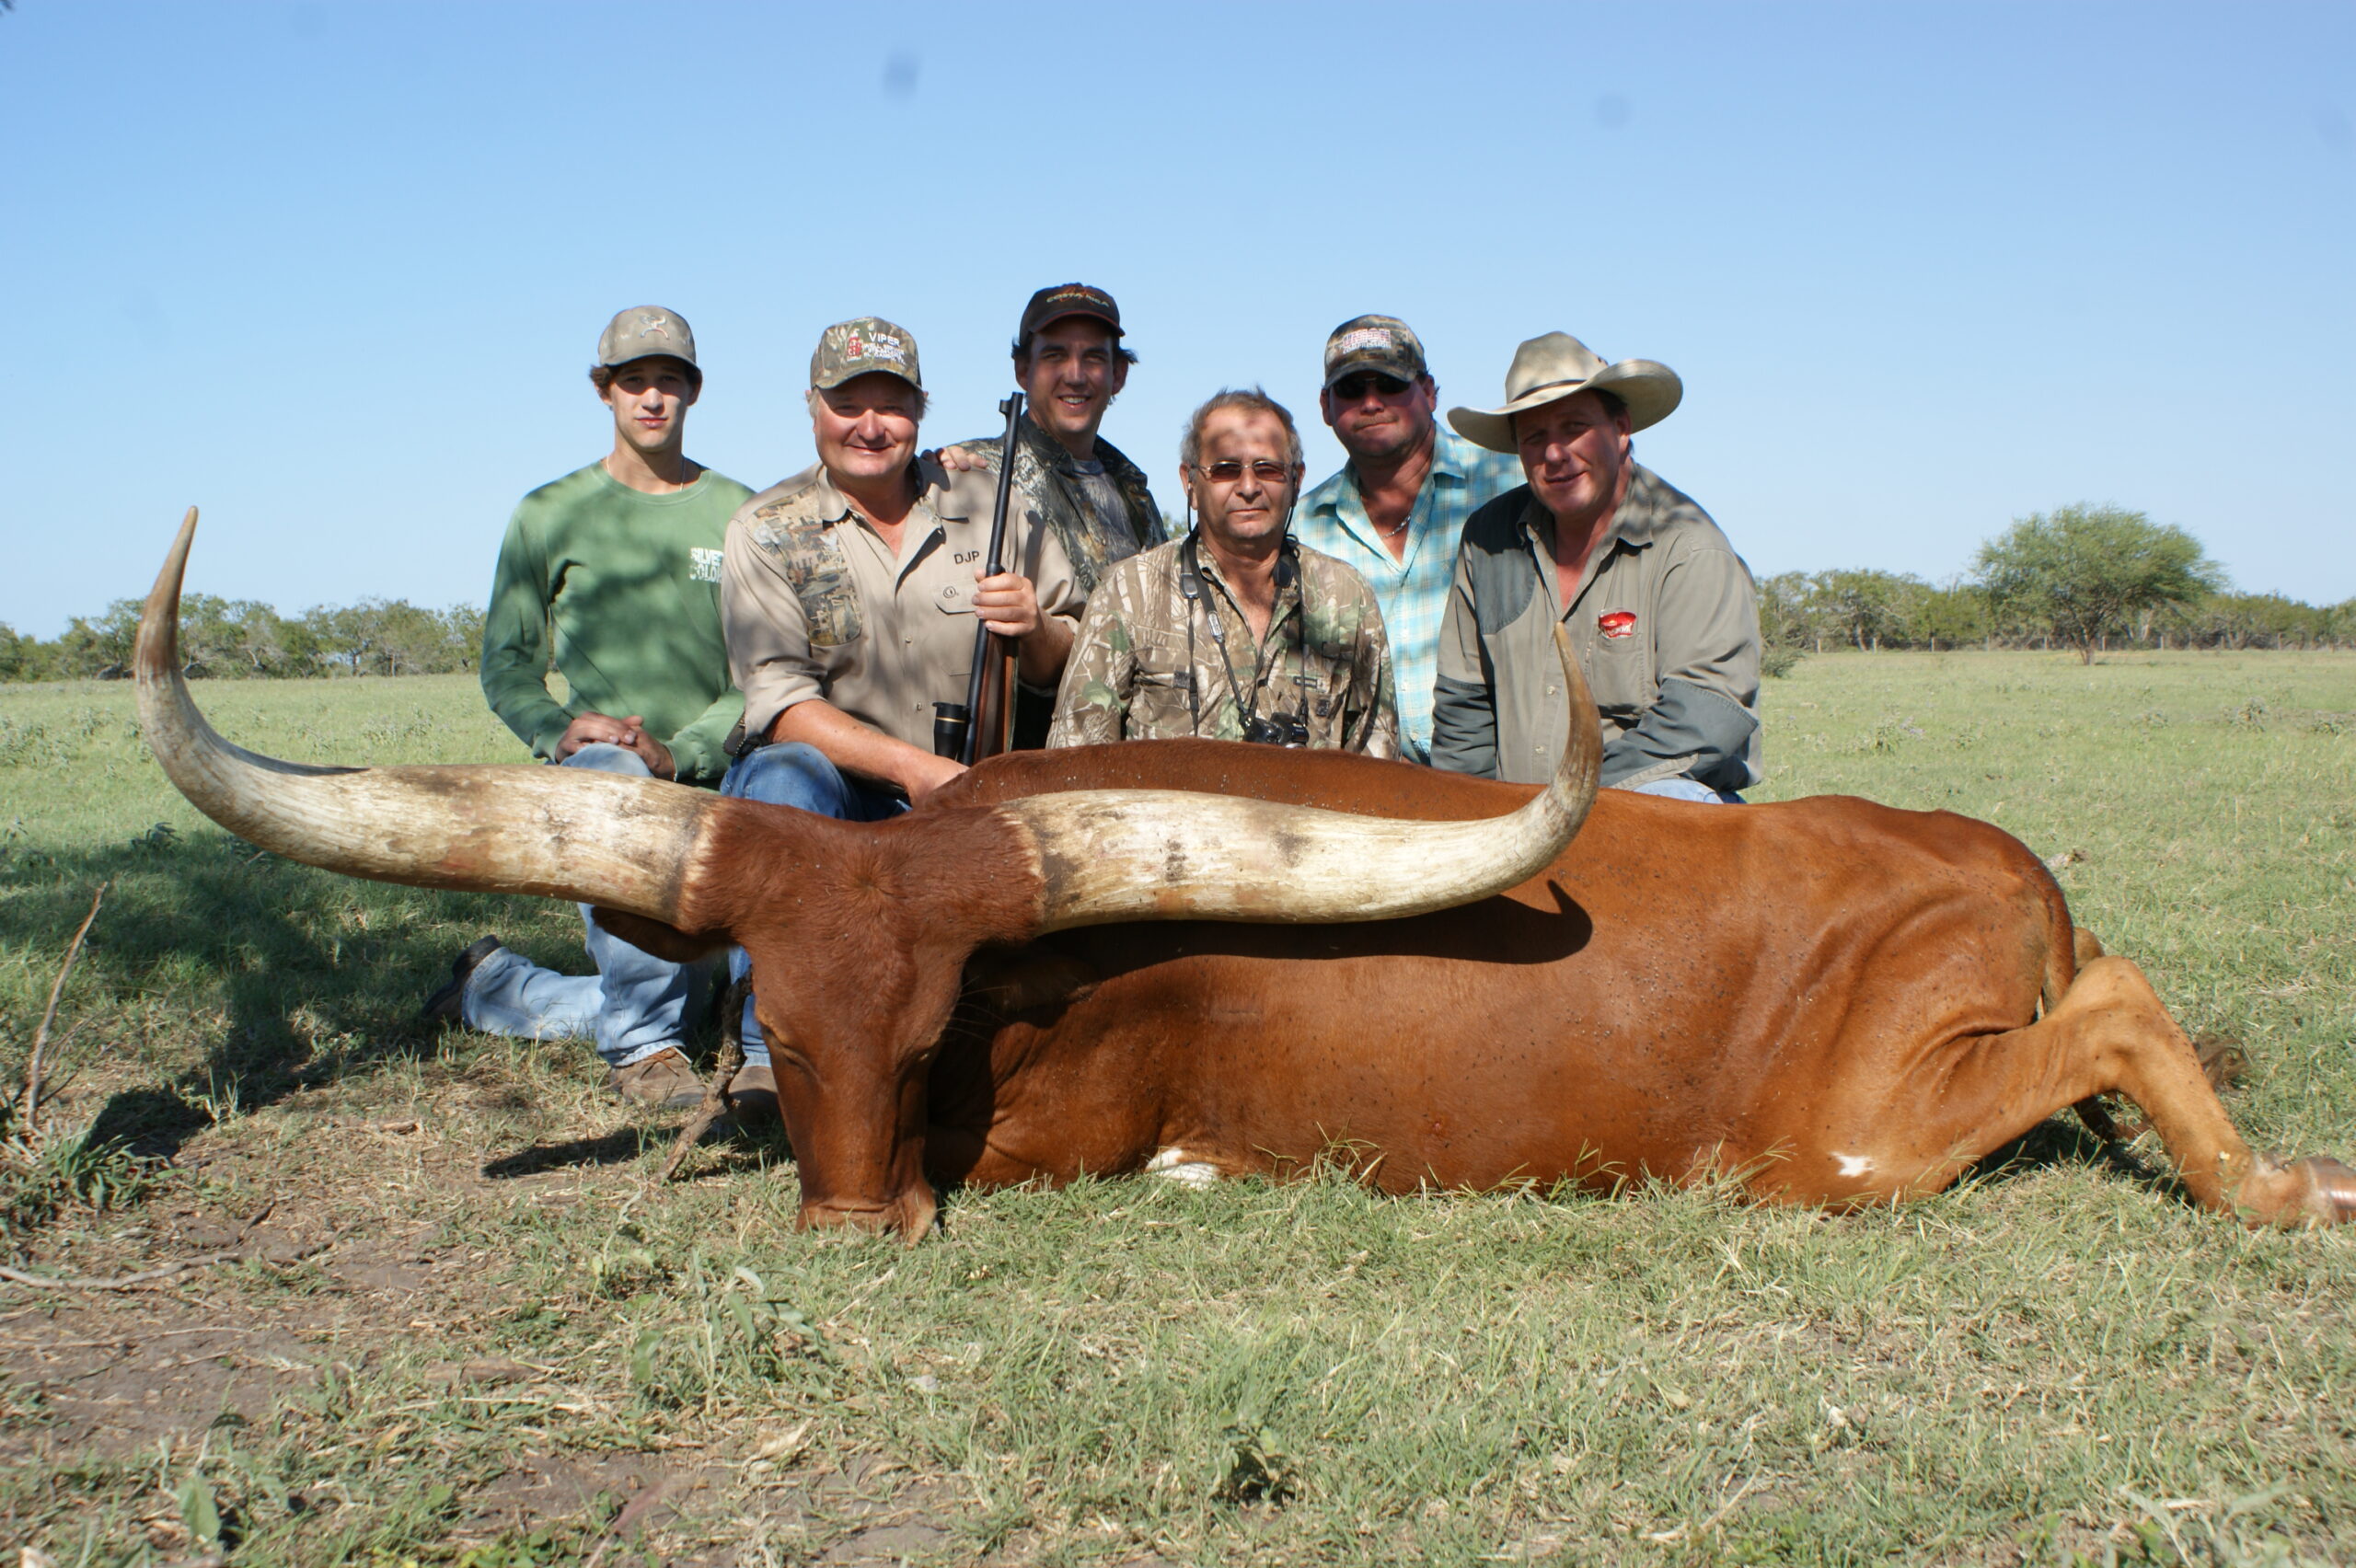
{"points": [[1070, 362], [848, 598]]}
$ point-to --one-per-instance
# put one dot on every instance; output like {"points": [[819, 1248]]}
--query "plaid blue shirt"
{"points": [[1413, 590]]}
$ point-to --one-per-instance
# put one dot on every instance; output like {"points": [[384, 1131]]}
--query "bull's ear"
{"points": [[655, 936]]}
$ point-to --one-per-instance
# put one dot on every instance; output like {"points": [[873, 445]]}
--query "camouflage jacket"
{"points": [[1147, 664], [1043, 467]]}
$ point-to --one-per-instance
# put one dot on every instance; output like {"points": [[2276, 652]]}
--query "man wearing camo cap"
{"points": [[621, 562], [1397, 508], [848, 593]]}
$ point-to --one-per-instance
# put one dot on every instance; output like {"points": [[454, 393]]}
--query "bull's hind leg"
{"points": [[2110, 1034]]}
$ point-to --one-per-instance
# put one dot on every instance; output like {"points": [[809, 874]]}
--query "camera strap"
{"points": [[1190, 584]]}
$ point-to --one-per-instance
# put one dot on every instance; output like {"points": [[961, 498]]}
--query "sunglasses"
{"points": [[1267, 470], [1351, 389]]}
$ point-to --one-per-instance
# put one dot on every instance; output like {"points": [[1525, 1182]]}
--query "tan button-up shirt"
{"points": [[1664, 627], [815, 605]]}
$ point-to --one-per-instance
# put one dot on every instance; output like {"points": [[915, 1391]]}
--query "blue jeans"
{"points": [[1689, 790], [800, 776], [634, 1006]]}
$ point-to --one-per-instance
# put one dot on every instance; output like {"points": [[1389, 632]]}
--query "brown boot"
{"points": [[448, 1005], [662, 1082], [752, 1091]]}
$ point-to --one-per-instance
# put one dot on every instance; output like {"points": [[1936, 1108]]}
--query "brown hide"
{"points": [[1829, 999], [866, 927]]}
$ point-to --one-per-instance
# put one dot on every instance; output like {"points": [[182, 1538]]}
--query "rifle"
{"points": [[957, 728]]}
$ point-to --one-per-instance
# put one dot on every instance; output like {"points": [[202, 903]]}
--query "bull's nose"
{"points": [[911, 1216], [864, 1217]]}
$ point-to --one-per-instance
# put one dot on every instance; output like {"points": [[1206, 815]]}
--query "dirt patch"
{"points": [[116, 1382]]}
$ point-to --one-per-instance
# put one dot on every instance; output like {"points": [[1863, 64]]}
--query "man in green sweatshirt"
{"points": [[618, 561]]}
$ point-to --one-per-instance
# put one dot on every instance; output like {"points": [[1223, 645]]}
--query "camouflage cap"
{"points": [[854, 347], [644, 331], [1383, 344]]}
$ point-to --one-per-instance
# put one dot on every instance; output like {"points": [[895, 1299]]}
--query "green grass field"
{"points": [[470, 1329]]}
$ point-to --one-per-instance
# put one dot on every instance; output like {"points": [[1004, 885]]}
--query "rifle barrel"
{"points": [[993, 564]]}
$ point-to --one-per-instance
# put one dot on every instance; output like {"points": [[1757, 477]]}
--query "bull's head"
{"points": [[858, 933]]}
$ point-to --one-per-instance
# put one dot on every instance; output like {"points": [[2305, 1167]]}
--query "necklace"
{"points": [[1393, 532]]}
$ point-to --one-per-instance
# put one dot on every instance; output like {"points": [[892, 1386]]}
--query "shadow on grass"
{"points": [[725, 1147], [613, 1148], [238, 977], [2061, 1141]]}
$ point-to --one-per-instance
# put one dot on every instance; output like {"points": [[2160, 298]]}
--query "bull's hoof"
{"points": [[2315, 1191], [2334, 1189]]}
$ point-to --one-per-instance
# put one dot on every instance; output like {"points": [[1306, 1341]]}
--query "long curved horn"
{"points": [[593, 837], [1114, 855]]}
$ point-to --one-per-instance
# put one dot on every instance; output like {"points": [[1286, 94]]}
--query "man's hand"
{"points": [[656, 756], [604, 730], [1008, 604], [959, 459], [598, 729], [922, 775]]}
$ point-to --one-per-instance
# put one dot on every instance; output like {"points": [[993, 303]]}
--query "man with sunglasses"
{"points": [[1396, 508], [1234, 633]]}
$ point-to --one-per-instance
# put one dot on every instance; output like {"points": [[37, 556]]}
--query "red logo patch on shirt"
{"points": [[1617, 623]]}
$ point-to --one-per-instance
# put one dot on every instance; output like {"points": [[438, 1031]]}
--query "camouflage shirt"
{"points": [[1044, 469], [1149, 665]]}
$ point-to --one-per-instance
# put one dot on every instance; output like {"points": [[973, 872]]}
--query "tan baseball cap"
{"points": [[855, 348], [1383, 344], [644, 331], [1548, 369]]}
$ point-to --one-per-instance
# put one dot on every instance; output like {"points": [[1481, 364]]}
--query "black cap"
{"points": [[1068, 299]]}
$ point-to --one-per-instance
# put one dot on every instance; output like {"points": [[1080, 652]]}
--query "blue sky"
{"points": [[334, 271]]}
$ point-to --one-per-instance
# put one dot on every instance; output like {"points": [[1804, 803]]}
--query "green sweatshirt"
{"points": [[629, 584]]}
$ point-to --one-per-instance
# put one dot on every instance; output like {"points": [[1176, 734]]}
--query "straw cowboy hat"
{"points": [[1548, 369]]}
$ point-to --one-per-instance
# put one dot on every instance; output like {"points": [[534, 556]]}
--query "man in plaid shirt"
{"points": [[1397, 508]]}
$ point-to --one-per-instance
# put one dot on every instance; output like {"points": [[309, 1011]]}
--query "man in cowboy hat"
{"points": [[1397, 508], [1660, 610]]}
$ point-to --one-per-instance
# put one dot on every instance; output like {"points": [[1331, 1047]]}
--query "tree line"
{"points": [[243, 639], [2086, 578]]}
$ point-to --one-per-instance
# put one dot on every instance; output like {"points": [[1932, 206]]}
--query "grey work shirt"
{"points": [[815, 605], [1665, 629]]}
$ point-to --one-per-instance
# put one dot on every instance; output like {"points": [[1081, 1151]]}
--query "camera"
{"points": [[1283, 729]]}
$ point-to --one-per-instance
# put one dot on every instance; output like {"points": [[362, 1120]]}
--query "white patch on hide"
{"points": [[1854, 1164], [1173, 1164]]}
